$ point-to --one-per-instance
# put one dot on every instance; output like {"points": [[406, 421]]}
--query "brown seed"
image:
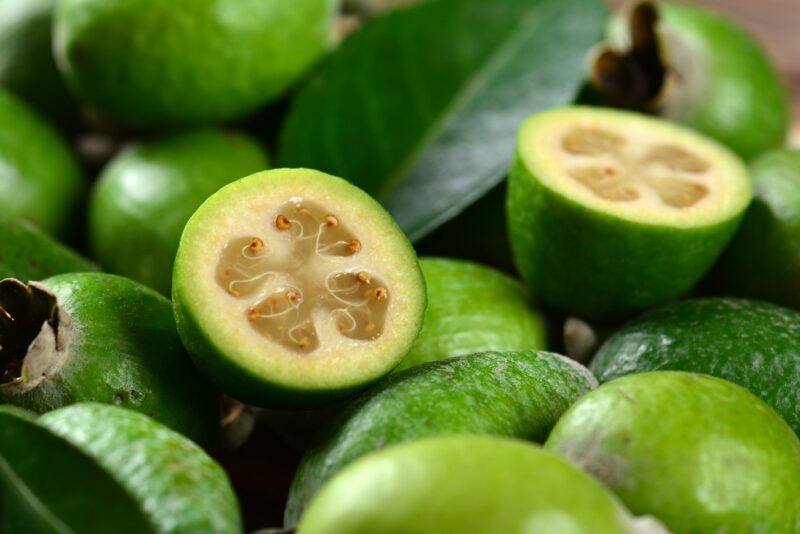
{"points": [[331, 221], [303, 343], [364, 277], [282, 222], [380, 293], [256, 245], [354, 245], [293, 295], [252, 314]]}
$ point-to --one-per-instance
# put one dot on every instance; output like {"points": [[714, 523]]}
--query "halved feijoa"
{"points": [[95, 468], [92, 337], [292, 286], [612, 212], [473, 308], [696, 67], [697, 452], [468, 484]]}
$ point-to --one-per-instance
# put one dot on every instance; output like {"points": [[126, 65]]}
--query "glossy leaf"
{"points": [[421, 107]]}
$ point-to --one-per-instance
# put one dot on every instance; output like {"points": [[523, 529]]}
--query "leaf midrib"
{"points": [[471, 86]]}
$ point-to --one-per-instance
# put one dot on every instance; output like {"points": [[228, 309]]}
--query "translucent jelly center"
{"points": [[290, 286], [604, 162]]}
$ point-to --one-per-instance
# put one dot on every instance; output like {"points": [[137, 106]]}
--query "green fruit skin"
{"points": [[753, 344], [160, 63], [743, 103], [147, 193], [465, 484], [28, 68], [237, 379], [179, 487], [40, 180], [27, 253], [763, 260], [472, 308], [697, 452], [47, 485], [520, 394], [598, 266], [126, 351]]}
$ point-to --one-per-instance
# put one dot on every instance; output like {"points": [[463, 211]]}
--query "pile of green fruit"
{"points": [[200, 322]]}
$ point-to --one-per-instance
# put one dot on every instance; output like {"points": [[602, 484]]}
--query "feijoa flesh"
{"points": [[472, 308], [520, 394], [147, 193], [293, 287], [96, 468], [696, 67], [92, 337], [697, 452], [750, 343], [466, 484], [612, 212]]}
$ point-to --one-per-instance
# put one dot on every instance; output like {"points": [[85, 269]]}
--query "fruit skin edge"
{"points": [[599, 266]]}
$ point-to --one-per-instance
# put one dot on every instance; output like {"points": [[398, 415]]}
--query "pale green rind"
{"points": [[598, 264], [177, 485], [464, 484], [146, 194], [244, 376], [697, 452], [472, 308], [519, 394]]}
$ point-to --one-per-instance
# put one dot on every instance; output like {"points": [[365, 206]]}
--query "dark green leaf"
{"points": [[421, 107]]}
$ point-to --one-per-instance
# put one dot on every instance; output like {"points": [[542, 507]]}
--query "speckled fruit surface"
{"points": [[696, 452], [518, 394]]}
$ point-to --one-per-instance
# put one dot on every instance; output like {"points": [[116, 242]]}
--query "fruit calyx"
{"points": [[635, 78], [35, 334], [288, 290]]}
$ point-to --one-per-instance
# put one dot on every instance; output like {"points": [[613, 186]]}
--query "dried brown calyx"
{"points": [[288, 292], [633, 78], [33, 332], [602, 161]]}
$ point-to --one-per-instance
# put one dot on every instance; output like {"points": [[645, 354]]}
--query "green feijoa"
{"points": [[763, 260], [519, 394], [466, 484], [472, 308], [128, 58], [751, 343], [27, 253], [697, 452], [96, 337], [147, 193], [293, 287], [96, 468], [40, 180], [694, 66], [612, 212], [28, 68]]}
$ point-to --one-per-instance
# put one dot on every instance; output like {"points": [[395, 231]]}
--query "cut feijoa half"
{"points": [[612, 212], [294, 287]]}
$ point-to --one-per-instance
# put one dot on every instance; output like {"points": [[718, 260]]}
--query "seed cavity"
{"points": [[668, 170], [290, 293]]}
